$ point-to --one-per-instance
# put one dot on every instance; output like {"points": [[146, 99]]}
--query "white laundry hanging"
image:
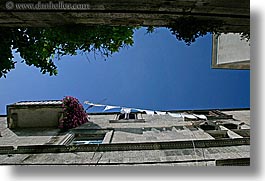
{"points": [[189, 116], [161, 113], [126, 110], [110, 107], [200, 116], [148, 112], [175, 115]]}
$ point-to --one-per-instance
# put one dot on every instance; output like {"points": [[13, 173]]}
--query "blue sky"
{"points": [[158, 73]]}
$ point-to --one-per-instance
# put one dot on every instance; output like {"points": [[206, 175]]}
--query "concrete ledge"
{"points": [[34, 149], [127, 121]]}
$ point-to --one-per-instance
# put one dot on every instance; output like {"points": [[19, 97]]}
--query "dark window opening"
{"points": [[230, 126], [127, 116], [219, 134], [132, 116], [121, 116], [206, 127]]}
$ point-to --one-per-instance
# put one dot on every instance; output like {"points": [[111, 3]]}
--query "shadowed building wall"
{"points": [[234, 14]]}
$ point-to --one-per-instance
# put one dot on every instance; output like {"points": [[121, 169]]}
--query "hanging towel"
{"points": [[148, 112], [189, 116], [110, 107], [200, 116], [175, 115], [126, 110], [161, 113]]}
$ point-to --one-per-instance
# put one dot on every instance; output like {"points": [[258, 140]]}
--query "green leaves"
{"points": [[188, 28], [6, 57], [40, 46]]}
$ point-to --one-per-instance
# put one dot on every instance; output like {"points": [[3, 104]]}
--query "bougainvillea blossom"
{"points": [[74, 113]]}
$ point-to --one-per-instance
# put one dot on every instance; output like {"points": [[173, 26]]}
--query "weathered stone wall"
{"points": [[34, 116], [235, 13]]}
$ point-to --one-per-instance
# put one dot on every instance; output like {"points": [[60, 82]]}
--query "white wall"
{"points": [[230, 49]]}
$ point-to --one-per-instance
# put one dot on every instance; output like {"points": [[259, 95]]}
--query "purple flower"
{"points": [[74, 113]]}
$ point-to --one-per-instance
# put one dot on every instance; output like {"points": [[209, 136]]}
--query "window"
{"points": [[218, 134], [127, 118], [84, 137]]}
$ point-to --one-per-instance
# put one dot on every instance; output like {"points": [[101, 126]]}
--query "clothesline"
{"points": [[148, 112]]}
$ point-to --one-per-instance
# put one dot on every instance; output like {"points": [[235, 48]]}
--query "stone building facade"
{"points": [[134, 139]]}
